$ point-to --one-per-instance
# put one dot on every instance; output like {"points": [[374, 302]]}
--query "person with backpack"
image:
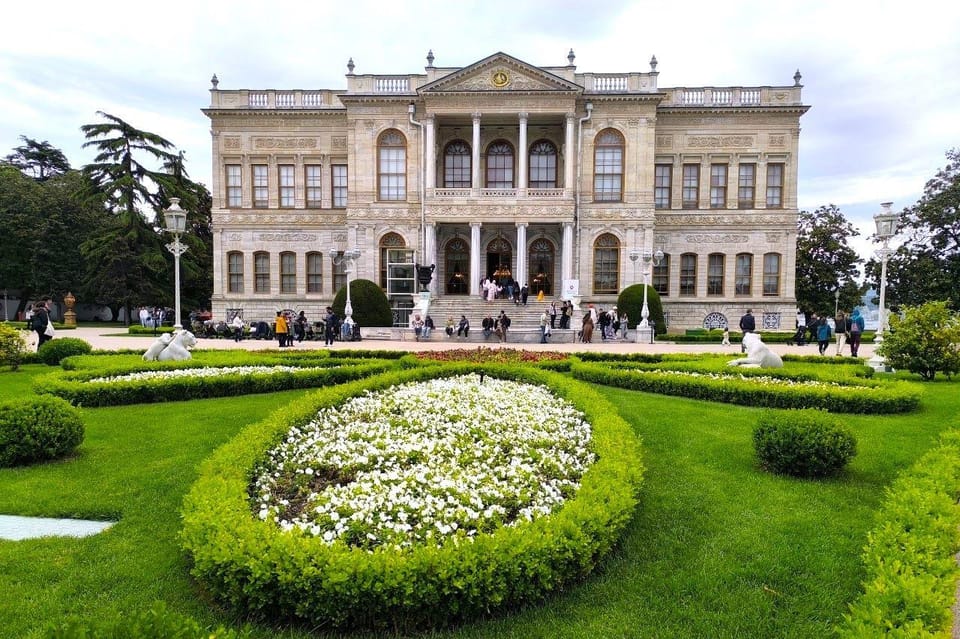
{"points": [[855, 328], [823, 335]]}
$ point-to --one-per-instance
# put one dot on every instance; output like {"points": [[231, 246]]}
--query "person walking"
{"points": [[855, 326], [823, 335], [841, 327], [543, 326], [300, 326], [586, 333], [41, 317]]}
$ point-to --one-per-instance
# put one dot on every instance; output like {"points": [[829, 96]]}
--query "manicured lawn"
{"points": [[717, 548]]}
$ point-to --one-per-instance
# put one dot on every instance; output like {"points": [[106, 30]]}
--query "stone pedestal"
{"points": [[69, 316], [644, 334]]}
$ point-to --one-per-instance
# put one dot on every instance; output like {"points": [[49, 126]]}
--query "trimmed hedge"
{"points": [[803, 443], [261, 571], [38, 429], [55, 350], [852, 396], [912, 572], [76, 388]]}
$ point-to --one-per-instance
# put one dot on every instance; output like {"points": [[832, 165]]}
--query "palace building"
{"points": [[571, 182]]}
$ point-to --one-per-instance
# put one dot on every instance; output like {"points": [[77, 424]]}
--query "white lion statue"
{"points": [[171, 347], [759, 354]]}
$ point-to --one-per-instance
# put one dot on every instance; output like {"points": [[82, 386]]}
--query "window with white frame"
{"points": [[235, 272], [287, 186], [260, 186], [261, 272], [771, 274], [392, 166], [746, 186], [338, 175], [313, 179], [663, 185], [774, 186], [234, 186], [718, 186], [691, 186], [288, 272], [744, 274], [608, 166]]}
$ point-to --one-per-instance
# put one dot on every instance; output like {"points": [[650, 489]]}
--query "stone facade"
{"points": [[563, 180]]}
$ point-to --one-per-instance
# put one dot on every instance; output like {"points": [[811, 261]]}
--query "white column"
{"points": [[569, 157], [431, 256], [475, 178], [566, 253], [431, 169], [475, 255], [522, 153], [522, 254]]}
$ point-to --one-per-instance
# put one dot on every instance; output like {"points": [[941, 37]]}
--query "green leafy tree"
{"points": [[925, 341], [39, 160], [826, 262]]}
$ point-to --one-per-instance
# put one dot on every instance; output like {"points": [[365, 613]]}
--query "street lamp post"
{"points": [[836, 301], [886, 221], [348, 258], [644, 330], [175, 222]]}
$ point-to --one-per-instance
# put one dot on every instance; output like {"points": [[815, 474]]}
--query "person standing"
{"points": [[586, 334], [237, 324], [524, 294], [855, 326], [823, 335], [503, 323], [300, 326], [624, 324], [553, 314], [417, 325], [41, 317], [329, 327], [543, 326], [280, 330], [747, 325], [840, 327]]}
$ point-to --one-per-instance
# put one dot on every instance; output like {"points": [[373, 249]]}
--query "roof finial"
{"points": [[350, 66], [653, 63], [214, 81], [796, 78], [571, 57], [430, 59]]}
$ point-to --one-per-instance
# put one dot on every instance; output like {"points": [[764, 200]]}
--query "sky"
{"points": [[881, 78]]}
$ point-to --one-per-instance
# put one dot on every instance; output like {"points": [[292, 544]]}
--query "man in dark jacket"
{"points": [[41, 317], [747, 325]]}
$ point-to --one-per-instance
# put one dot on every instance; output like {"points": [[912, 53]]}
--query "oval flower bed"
{"points": [[436, 499]]}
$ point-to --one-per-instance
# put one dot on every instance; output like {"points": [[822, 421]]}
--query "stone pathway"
{"points": [[18, 528]]}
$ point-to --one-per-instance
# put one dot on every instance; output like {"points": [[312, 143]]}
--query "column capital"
{"points": [[476, 116], [523, 115], [476, 225], [522, 225], [570, 115]]}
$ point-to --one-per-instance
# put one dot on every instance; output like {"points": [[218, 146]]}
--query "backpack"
{"points": [[854, 327]]}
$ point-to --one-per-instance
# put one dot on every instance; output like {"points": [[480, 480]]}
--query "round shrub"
{"points": [[13, 346], [803, 443], [57, 349], [38, 429], [631, 302], [370, 304]]}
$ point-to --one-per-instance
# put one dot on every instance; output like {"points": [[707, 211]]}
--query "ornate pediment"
{"points": [[500, 73]]}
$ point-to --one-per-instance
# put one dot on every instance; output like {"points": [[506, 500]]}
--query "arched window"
{"points": [[500, 165], [744, 276], [314, 272], [543, 165], [457, 165], [688, 274], [715, 267], [288, 272], [392, 166], [235, 272], [606, 264], [608, 166], [387, 242], [661, 276], [771, 274], [261, 272]]}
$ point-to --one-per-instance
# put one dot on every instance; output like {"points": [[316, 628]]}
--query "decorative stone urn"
{"points": [[69, 317]]}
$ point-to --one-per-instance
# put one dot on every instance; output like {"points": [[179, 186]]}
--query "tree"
{"points": [[127, 267], [630, 301], [39, 160], [826, 262], [925, 341], [370, 304]]}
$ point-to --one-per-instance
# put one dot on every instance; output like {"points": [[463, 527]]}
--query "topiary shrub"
{"points": [[370, 304], [631, 302], [57, 349], [803, 443], [155, 623], [38, 429], [13, 346]]}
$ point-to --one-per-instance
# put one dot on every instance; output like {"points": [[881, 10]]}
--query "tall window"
{"points": [[313, 180], [314, 272], [338, 174], [261, 272], [691, 186], [688, 274], [744, 277], [288, 272], [235, 272], [457, 165], [718, 186], [260, 184], [234, 185], [285, 175], [543, 165], [774, 186], [661, 276], [500, 165], [663, 184], [771, 274], [392, 163], [339, 272], [747, 186], [388, 242], [715, 263], [606, 264], [608, 167]]}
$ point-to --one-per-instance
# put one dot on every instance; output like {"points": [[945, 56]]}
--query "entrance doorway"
{"points": [[499, 258], [457, 267], [541, 266]]}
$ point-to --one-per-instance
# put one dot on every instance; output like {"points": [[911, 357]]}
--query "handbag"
{"points": [[48, 331]]}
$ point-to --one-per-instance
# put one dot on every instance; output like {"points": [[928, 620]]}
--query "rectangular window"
{"points": [[688, 274], [744, 277], [235, 270], [261, 273], [339, 271], [691, 186], [718, 186], [338, 174], [314, 272], [771, 274], [663, 184], [661, 277], [393, 173], [260, 183], [608, 175], [715, 274], [288, 272], [747, 186], [606, 263], [285, 176], [774, 186], [312, 177], [234, 186]]}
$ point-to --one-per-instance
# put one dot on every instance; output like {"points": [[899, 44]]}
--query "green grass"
{"points": [[717, 548]]}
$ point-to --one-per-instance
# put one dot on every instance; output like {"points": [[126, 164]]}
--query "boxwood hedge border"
{"points": [[256, 568]]}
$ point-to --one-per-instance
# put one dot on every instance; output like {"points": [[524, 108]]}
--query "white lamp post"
{"points": [[175, 221], [886, 221], [836, 301], [644, 330], [348, 258]]}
